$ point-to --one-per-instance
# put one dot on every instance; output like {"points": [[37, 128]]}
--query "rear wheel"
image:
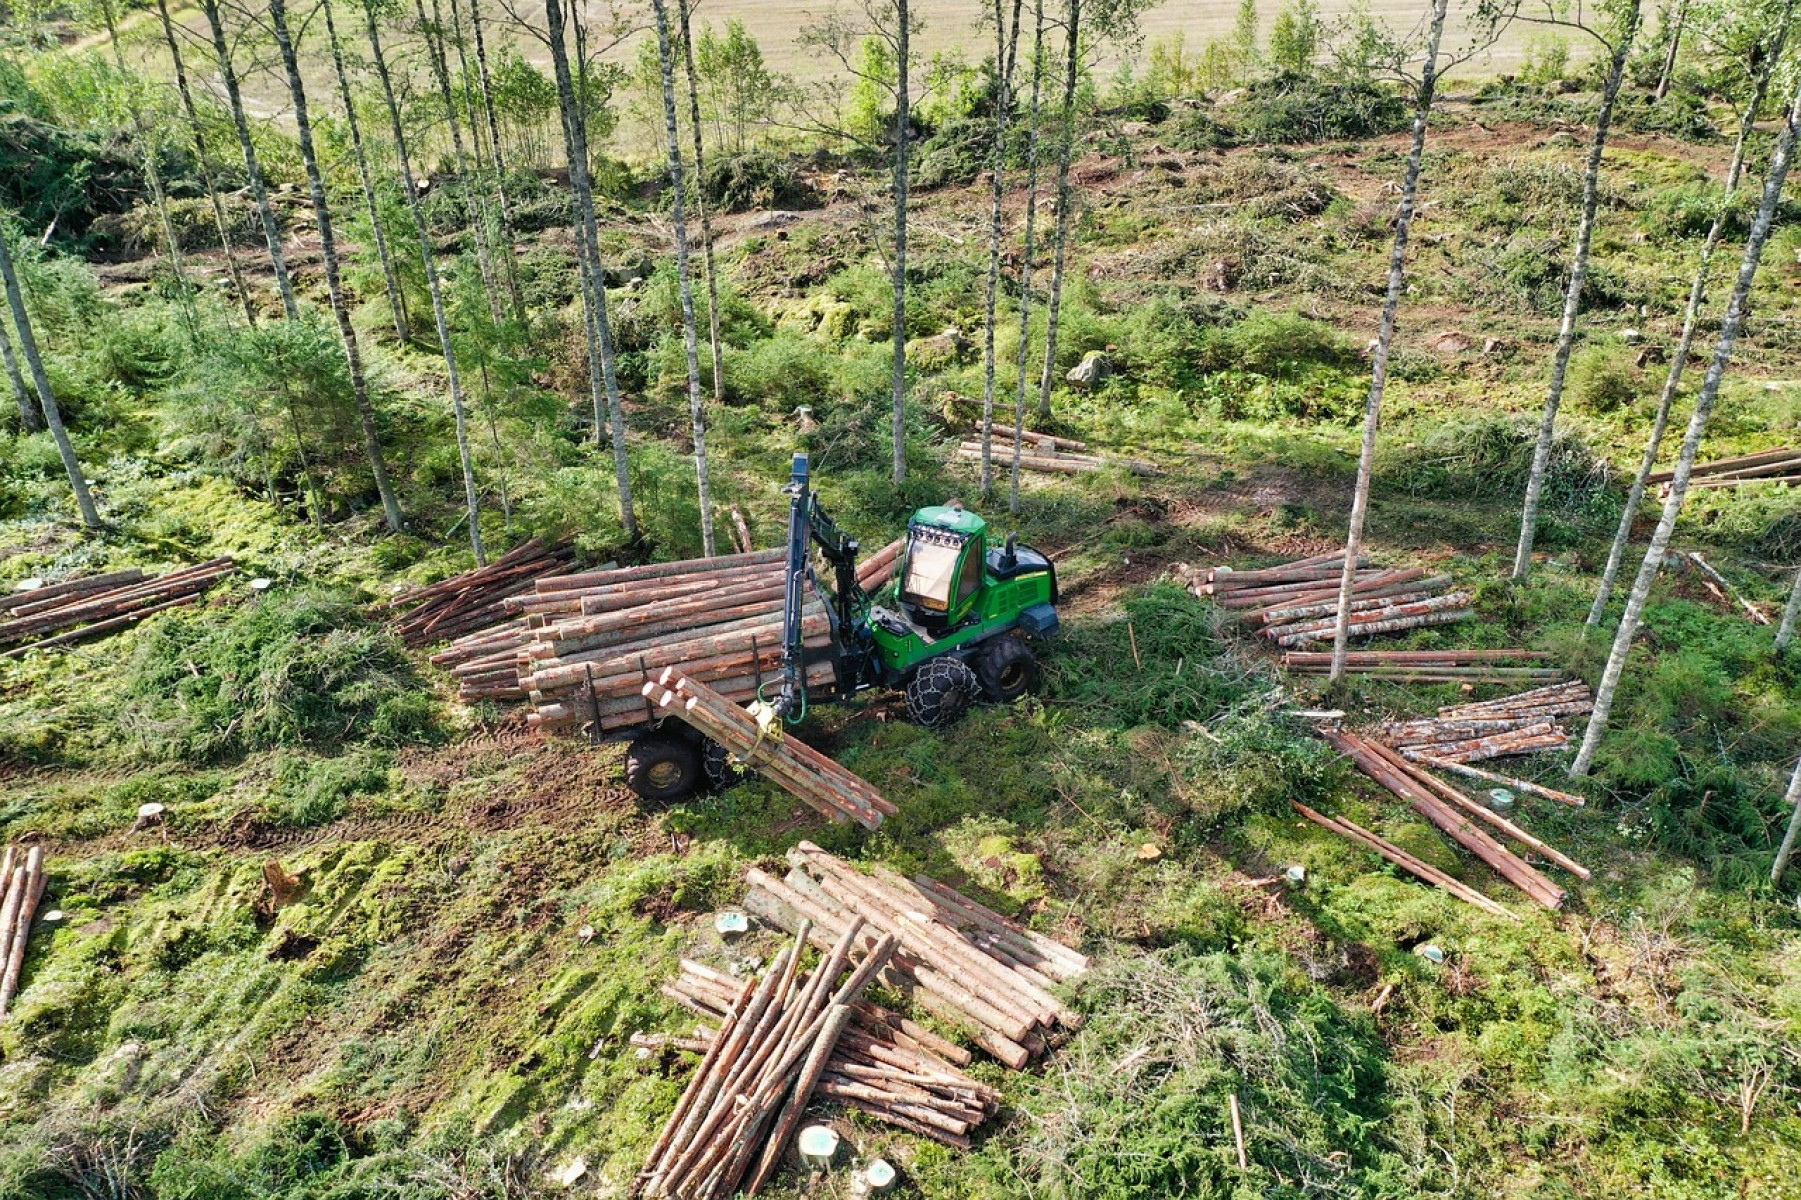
{"points": [[663, 768], [940, 692], [1008, 669]]}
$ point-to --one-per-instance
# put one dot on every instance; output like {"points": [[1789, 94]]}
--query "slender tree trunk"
{"points": [[1791, 612], [1572, 296], [1004, 44], [432, 30], [1066, 149], [390, 277], [432, 283], [509, 260], [500, 454], [1033, 142], [700, 205], [684, 279], [253, 169], [903, 148], [334, 282], [1793, 800], [31, 418], [315, 496], [197, 131], [1691, 325], [587, 238], [1780, 161], [53, 417], [1397, 285], [1668, 73]]}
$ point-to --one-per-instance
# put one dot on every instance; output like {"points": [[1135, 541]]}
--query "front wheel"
{"points": [[940, 692], [663, 768], [1008, 669]]}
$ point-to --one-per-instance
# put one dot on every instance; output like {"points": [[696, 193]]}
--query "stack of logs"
{"points": [[960, 961], [22, 884], [1782, 465], [1297, 602], [760, 1070], [64, 613], [1428, 666], [894, 1069], [765, 746], [1517, 724], [1456, 815], [475, 599], [1043, 452]]}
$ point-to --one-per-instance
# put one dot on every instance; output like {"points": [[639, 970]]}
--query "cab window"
{"points": [[931, 568], [972, 575]]}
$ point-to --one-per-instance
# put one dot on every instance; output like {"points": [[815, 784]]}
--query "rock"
{"points": [[1453, 342], [284, 885], [939, 352], [570, 1172], [1094, 370], [1631, 337], [1494, 346]]}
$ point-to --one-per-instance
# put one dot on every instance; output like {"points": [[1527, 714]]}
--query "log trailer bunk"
{"points": [[951, 631]]}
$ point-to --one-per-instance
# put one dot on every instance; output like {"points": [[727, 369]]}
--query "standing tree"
{"points": [[1006, 42], [483, 125], [1791, 612], [334, 282], [1771, 52], [31, 417], [1673, 27], [1066, 147], [1397, 285], [1793, 800], [53, 417], [1621, 48], [685, 279], [1033, 141], [685, 7], [1780, 160], [903, 149]]}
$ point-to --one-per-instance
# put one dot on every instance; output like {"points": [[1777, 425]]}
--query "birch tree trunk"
{"points": [[1793, 800], [478, 125], [684, 7], [432, 283], [334, 281], [684, 279], [1780, 161], [1033, 142], [1660, 423], [197, 133], [903, 143], [1066, 149], [594, 293], [431, 29], [1004, 45], [1791, 612], [252, 168], [53, 417], [1397, 286], [31, 417], [1572, 296], [390, 277], [1668, 73]]}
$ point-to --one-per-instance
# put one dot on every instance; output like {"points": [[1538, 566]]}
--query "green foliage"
{"points": [[739, 94], [1295, 38], [1292, 107], [1604, 380], [755, 179], [1180, 680], [57, 176], [1547, 60], [1492, 455]]}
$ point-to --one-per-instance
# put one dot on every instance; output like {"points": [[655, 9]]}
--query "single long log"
{"points": [[1518, 785], [723, 562], [1359, 628], [1365, 658], [1407, 862], [1727, 464], [70, 587]]}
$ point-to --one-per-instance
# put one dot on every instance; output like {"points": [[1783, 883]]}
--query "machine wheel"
{"points": [[717, 766], [940, 692], [663, 768], [1007, 669]]}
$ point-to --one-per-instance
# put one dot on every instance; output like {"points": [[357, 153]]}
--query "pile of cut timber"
{"points": [[475, 599], [1457, 815], [1427, 666], [761, 1068], [1782, 465], [963, 963], [22, 883], [885, 1065], [63, 613], [790, 762], [1042, 452], [1517, 724], [1297, 603]]}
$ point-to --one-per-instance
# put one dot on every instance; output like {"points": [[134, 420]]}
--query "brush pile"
{"points": [[1042, 452], [963, 963], [1297, 603], [761, 1068], [1518, 724], [475, 599], [885, 1065], [1782, 465], [61, 614], [761, 743], [22, 886], [1428, 666]]}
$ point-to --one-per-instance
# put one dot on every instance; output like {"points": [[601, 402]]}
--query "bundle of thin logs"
{"points": [[958, 960], [764, 745], [760, 1069], [64, 613], [22, 881], [475, 599], [1519, 724], [1043, 452], [885, 1065], [1457, 816], [1428, 666], [1297, 603], [1782, 465]]}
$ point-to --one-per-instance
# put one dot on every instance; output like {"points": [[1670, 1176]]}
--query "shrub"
{"points": [[1198, 129], [1493, 454], [1170, 628], [1603, 380], [1293, 107], [756, 179]]}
